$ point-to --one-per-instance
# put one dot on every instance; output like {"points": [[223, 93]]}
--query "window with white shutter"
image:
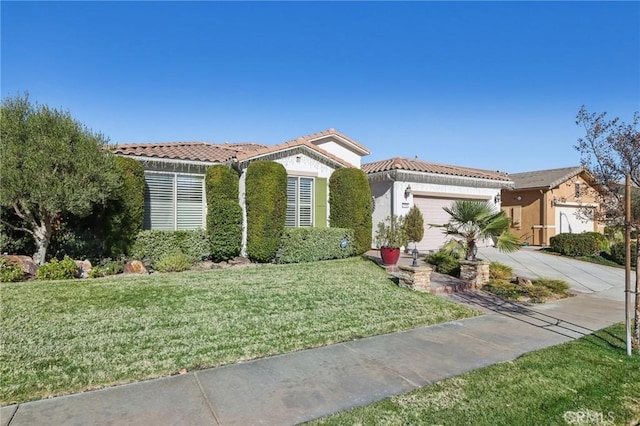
{"points": [[173, 201], [299, 202]]}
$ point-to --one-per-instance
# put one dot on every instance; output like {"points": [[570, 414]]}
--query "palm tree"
{"points": [[473, 220]]}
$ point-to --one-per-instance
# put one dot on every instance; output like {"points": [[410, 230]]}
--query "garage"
{"points": [[432, 209], [573, 220]]}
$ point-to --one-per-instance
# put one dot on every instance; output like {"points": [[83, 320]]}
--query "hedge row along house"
{"points": [[540, 204], [174, 172]]}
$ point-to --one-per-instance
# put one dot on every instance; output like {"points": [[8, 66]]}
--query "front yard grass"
{"points": [[68, 336], [589, 381]]}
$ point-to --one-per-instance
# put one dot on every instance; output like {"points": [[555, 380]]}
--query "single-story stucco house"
{"points": [[397, 184], [544, 203], [174, 173]]}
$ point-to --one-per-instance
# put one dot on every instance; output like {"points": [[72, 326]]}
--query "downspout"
{"points": [[544, 218]]}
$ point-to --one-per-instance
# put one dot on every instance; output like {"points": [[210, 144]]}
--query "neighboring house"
{"points": [[174, 173], [545, 203], [398, 183]]}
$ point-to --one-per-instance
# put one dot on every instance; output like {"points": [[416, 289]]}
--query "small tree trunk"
{"points": [[471, 248], [636, 330], [42, 235]]}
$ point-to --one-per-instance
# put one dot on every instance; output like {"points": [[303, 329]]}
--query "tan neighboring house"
{"points": [[545, 203], [397, 184], [174, 176]]}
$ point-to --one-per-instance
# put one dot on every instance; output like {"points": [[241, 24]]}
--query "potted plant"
{"points": [[390, 236]]}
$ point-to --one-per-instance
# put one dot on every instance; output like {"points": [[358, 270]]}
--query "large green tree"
{"points": [[473, 220], [52, 165]]}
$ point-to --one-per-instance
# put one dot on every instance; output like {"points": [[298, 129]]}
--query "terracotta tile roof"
{"points": [[545, 178], [193, 151], [300, 142], [398, 163]]}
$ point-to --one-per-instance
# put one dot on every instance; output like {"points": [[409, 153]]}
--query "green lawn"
{"points": [[590, 381], [67, 336]]}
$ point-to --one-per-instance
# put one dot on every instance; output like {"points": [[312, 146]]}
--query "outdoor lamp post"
{"points": [[414, 255]]}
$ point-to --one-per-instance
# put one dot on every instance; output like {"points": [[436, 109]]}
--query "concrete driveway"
{"points": [[583, 277]]}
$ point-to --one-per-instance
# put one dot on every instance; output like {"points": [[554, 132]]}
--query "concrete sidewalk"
{"points": [[305, 385], [301, 386]]}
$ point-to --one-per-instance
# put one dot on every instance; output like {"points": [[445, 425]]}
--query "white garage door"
{"points": [[572, 220], [432, 213]]}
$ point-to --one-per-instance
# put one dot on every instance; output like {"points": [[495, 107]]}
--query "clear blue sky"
{"points": [[493, 85]]}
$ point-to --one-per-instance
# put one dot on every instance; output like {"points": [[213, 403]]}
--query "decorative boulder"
{"points": [[523, 282], [135, 267], [29, 267], [84, 268]]}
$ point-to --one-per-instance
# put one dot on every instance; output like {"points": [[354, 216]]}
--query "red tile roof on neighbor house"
{"points": [[220, 153], [192, 151], [399, 163]]}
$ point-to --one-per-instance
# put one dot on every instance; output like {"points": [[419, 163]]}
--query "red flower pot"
{"points": [[390, 255]]}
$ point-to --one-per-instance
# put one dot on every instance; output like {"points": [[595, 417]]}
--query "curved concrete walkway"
{"points": [[300, 386]]}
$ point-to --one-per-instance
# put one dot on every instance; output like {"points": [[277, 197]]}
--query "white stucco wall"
{"points": [[389, 197], [305, 166], [340, 151]]}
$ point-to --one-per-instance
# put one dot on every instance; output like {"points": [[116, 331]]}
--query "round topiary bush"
{"points": [[351, 205]]}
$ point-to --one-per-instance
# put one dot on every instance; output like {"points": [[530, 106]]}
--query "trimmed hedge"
{"points": [[224, 215], [445, 263], [351, 205], [266, 204], [125, 213], [618, 253], [585, 244], [153, 245], [312, 244]]}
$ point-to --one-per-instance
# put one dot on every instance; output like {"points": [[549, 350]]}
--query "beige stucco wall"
{"points": [[538, 209]]}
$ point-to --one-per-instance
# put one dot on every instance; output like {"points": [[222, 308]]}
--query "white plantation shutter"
{"points": [[158, 201], [189, 205], [299, 202], [173, 201], [305, 202], [292, 196]]}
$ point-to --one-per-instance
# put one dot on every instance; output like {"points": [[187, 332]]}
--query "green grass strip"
{"points": [[589, 381], [68, 336]]}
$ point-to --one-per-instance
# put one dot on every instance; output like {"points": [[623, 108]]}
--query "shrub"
{"points": [[79, 238], [124, 213], [618, 253], [556, 286], [58, 269], [313, 244], [105, 268], [351, 206], [173, 262], [153, 245], [445, 263], [503, 288], [391, 232], [224, 215], [10, 272], [498, 271], [414, 225], [584, 244], [266, 204]]}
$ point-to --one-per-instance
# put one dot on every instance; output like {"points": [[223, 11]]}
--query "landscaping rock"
{"points": [[29, 267], [84, 268], [239, 261], [523, 281], [135, 267]]}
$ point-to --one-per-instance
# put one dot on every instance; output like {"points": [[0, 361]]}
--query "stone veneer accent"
{"points": [[415, 278], [476, 272]]}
